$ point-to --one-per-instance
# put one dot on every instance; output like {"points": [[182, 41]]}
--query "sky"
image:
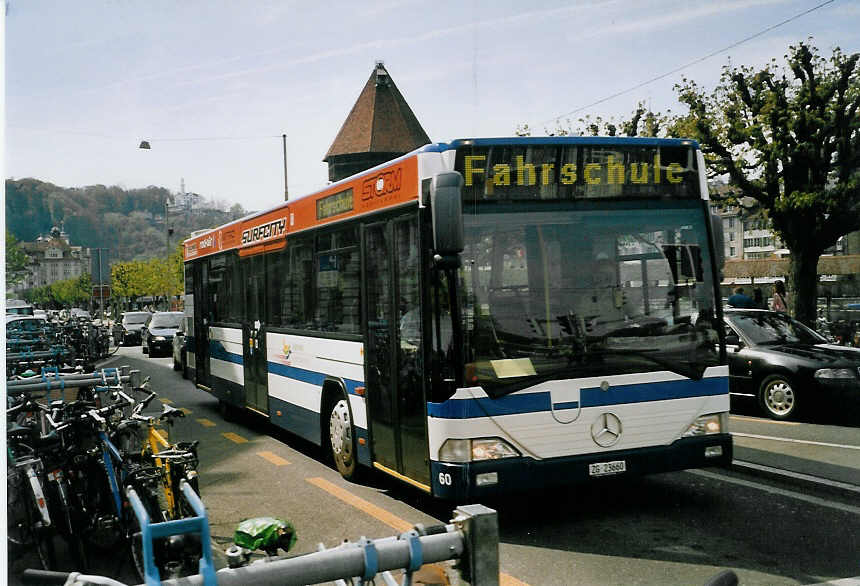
{"points": [[213, 84]]}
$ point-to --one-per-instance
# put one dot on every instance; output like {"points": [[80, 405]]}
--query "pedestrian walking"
{"points": [[780, 299]]}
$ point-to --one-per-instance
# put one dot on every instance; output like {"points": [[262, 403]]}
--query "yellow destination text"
{"points": [[611, 172]]}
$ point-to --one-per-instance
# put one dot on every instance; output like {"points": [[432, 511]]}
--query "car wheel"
{"points": [[777, 397], [342, 439]]}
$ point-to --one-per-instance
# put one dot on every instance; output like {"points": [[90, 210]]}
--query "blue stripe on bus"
{"points": [[589, 397], [306, 423], [310, 376], [218, 351]]}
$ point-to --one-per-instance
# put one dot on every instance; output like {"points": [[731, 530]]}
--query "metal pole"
{"points": [[286, 189], [167, 253]]}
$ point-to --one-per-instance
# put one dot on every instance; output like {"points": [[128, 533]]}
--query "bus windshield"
{"points": [[590, 290]]}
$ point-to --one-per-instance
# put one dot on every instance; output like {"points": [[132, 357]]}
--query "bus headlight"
{"points": [[474, 450], [708, 424]]}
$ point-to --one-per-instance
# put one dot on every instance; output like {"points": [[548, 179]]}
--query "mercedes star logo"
{"points": [[606, 430]]}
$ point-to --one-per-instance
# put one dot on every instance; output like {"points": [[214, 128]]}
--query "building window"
{"points": [[731, 222], [732, 251], [731, 236]]}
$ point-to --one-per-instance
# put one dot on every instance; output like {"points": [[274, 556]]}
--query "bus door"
{"points": [[201, 323], [393, 363], [254, 335]]}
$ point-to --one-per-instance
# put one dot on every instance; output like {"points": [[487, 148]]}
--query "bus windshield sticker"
{"points": [[511, 367]]}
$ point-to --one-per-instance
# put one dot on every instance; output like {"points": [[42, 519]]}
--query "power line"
{"points": [[699, 60], [133, 138]]}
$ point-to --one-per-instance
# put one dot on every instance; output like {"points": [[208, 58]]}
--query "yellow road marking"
{"points": [[233, 437], [760, 420], [359, 503], [273, 458], [206, 422], [165, 400], [389, 519], [185, 410]]}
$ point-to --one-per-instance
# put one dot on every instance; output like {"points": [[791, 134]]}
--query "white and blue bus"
{"points": [[479, 316]]}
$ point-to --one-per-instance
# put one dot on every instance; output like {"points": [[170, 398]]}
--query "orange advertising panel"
{"points": [[380, 189]]}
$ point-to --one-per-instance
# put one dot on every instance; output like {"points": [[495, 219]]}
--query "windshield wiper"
{"points": [[694, 372]]}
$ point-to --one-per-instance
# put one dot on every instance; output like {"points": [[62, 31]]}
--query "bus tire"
{"points": [[777, 397], [341, 435]]}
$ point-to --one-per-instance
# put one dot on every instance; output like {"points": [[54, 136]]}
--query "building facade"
{"points": [[53, 258]]}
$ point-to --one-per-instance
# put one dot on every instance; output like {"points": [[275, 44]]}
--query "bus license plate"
{"points": [[605, 468]]}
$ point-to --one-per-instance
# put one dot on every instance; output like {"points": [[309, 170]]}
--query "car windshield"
{"points": [[568, 293], [774, 328], [166, 320], [135, 318]]}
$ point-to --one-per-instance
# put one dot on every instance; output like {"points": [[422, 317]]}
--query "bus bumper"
{"points": [[472, 481]]}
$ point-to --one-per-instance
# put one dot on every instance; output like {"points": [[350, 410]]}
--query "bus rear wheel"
{"points": [[342, 439]]}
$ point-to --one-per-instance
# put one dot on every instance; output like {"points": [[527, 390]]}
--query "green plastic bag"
{"points": [[265, 533]]}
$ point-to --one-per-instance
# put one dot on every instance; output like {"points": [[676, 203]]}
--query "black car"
{"points": [[785, 365], [159, 331], [127, 332]]}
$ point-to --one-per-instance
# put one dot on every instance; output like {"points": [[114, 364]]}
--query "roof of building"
{"points": [[380, 121]]}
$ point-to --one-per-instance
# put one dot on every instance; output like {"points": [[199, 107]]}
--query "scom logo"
{"points": [[383, 184]]}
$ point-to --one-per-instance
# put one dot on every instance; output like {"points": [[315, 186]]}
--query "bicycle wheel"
{"points": [[22, 530], [147, 485]]}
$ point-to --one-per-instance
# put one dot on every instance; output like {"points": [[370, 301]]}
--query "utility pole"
{"points": [[286, 189], [167, 232]]}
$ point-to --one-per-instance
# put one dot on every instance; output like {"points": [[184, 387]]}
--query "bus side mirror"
{"points": [[446, 205]]}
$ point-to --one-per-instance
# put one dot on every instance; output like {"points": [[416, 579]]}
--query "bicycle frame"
{"points": [[156, 441]]}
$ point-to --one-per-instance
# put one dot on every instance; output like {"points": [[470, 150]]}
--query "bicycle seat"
{"points": [[168, 412]]}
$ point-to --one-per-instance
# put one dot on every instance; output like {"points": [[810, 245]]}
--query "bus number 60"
{"points": [[444, 479]]}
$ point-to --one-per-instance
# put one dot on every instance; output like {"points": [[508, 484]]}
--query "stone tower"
{"points": [[380, 127]]}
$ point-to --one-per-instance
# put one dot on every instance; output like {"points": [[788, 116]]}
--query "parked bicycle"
{"points": [[29, 525]]}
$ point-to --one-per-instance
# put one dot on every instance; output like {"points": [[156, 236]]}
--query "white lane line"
{"points": [[795, 441], [799, 475], [782, 492], [760, 420]]}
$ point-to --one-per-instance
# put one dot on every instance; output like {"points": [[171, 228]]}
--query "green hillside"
{"points": [[130, 223]]}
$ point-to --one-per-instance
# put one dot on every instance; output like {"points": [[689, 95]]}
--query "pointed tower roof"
{"points": [[380, 122]]}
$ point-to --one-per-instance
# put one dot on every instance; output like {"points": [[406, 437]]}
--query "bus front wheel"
{"points": [[342, 439]]}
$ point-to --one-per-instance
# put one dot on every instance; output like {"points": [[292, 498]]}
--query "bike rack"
{"points": [[472, 538], [151, 531]]}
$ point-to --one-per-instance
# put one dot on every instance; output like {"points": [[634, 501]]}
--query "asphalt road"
{"points": [[678, 528]]}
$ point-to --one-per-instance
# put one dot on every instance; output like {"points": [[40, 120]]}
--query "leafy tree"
{"points": [[789, 137], [641, 122], [74, 291], [17, 261]]}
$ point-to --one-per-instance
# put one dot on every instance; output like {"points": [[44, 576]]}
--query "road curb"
{"points": [[798, 479]]}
